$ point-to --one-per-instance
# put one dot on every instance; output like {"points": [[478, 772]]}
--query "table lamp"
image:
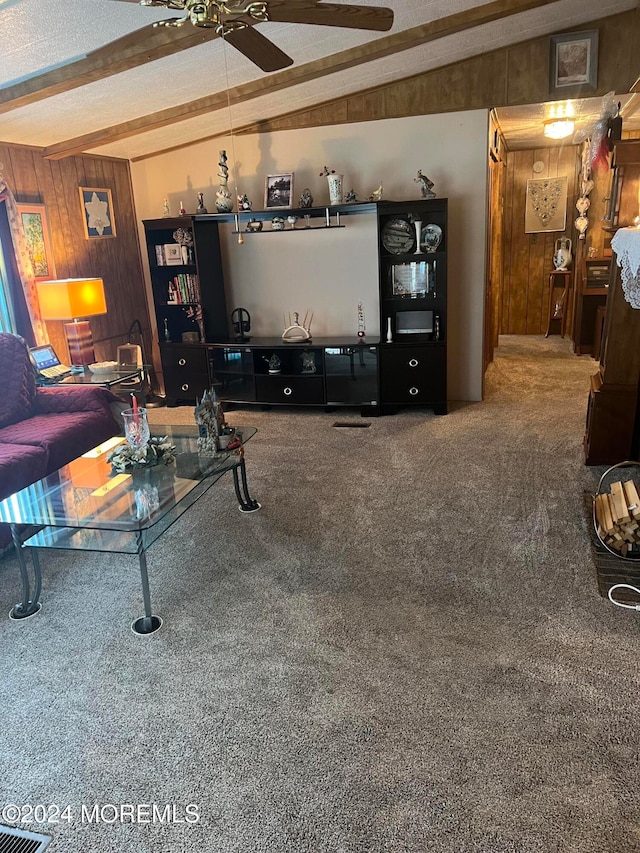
{"points": [[72, 298]]}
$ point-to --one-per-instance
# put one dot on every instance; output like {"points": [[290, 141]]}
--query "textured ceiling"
{"points": [[39, 36]]}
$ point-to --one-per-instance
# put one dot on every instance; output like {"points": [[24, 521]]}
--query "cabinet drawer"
{"points": [[290, 389], [187, 359], [413, 375], [185, 384]]}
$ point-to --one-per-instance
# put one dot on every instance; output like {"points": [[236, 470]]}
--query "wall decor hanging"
{"points": [[36, 232], [546, 205], [97, 212], [573, 62]]}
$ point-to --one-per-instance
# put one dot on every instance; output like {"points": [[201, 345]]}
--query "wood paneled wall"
{"points": [[509, 76], [528, 258], [116, 260]]}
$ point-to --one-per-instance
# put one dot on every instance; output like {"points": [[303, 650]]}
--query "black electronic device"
{"points": [[241, 320], [47, 363]]}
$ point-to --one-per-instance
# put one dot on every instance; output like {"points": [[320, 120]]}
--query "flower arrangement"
{"points": [[127, 458], [325, 172]]}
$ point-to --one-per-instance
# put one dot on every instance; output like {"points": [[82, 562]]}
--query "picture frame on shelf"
{"points": [[36, 231], [97, 212], [573, 62], [278, 190]]}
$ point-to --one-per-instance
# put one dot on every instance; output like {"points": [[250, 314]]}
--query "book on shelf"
{"points": [[183, 288]]}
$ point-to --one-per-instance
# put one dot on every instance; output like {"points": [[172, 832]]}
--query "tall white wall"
{"points": [[330, 271]]}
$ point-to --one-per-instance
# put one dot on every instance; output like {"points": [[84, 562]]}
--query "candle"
{"points": [[134, 406]]}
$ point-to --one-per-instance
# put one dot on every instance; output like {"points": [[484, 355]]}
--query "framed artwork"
{"points": [[278, 190], [546, 205], [574, 62], [36, 232], [97, 212]]}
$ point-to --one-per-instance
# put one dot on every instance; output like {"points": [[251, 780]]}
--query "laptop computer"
{"points": [[47, 363]]}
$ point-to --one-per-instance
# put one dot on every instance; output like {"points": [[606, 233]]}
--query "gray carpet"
{"points": [[404, 650]]}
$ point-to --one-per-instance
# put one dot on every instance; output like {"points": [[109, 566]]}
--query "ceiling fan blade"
{"points": [[331, 14], [258, 49]]}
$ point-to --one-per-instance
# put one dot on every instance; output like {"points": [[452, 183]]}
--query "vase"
{"points": [[418, 226], [335, 188], [389, 334], [562, 254]]}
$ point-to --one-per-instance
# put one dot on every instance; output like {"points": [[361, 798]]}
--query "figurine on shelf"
{"points": [[244, 203], [224, 202], [350, 197], [165, 208], [273, 363], [376, 195], [306, 199], [426, 186], [291, 219], [297, 331], [201, 208], [183, 212]]}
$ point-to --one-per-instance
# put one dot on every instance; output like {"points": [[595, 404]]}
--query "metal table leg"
{"points": [[30, 604], [246, 502], [148, 623]]}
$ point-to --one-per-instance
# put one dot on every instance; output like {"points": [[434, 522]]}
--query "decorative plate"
{"points": [[398, 237], [431, 238]]}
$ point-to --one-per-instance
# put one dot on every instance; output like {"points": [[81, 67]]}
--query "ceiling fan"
{"points": [[233, 20]]}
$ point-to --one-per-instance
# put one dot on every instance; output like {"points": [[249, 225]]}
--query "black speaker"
{"points": [[241, 320]]}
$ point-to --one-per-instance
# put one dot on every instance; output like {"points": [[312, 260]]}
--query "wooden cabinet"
{"points": [[611, 431], [591, 294], [413, 303]]}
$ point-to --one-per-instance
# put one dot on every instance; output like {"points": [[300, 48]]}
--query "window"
{"points": [[7, 319]]}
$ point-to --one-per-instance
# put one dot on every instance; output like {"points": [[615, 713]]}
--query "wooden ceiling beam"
{"points": [[377, 49], [137, 48]]}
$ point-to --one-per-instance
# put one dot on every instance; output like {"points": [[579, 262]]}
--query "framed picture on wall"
{"points": [[574, 62], [278, 190], [97, 212], [36, 232], [546, 205]]}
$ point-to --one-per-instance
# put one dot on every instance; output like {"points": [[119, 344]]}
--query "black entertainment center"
{"points": [[405, 365]]}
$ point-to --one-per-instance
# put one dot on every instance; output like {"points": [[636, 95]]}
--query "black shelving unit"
{"points": [[413, 304]]}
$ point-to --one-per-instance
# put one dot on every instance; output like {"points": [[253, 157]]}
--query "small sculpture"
{"points": [[273, 362], [277, 223], [297, 331], [201, 208], [308, 360], [306, 199], [244, 203], [291, 219], [254, 226], [165, 208], [183, 212], [426, 186], [224, 202], [209, 418], [376, 195], [351, 197]]}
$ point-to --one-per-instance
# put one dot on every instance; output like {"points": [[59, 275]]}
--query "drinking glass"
{"points": [[136, 427]]}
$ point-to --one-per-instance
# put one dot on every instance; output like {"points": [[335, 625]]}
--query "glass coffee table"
{"points": [[84, 506]]}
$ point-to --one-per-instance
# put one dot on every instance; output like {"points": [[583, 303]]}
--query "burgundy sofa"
{"points": [[42, 429]]}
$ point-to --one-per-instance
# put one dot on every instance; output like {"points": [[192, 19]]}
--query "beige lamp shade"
{"points": [[67, 298]]}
